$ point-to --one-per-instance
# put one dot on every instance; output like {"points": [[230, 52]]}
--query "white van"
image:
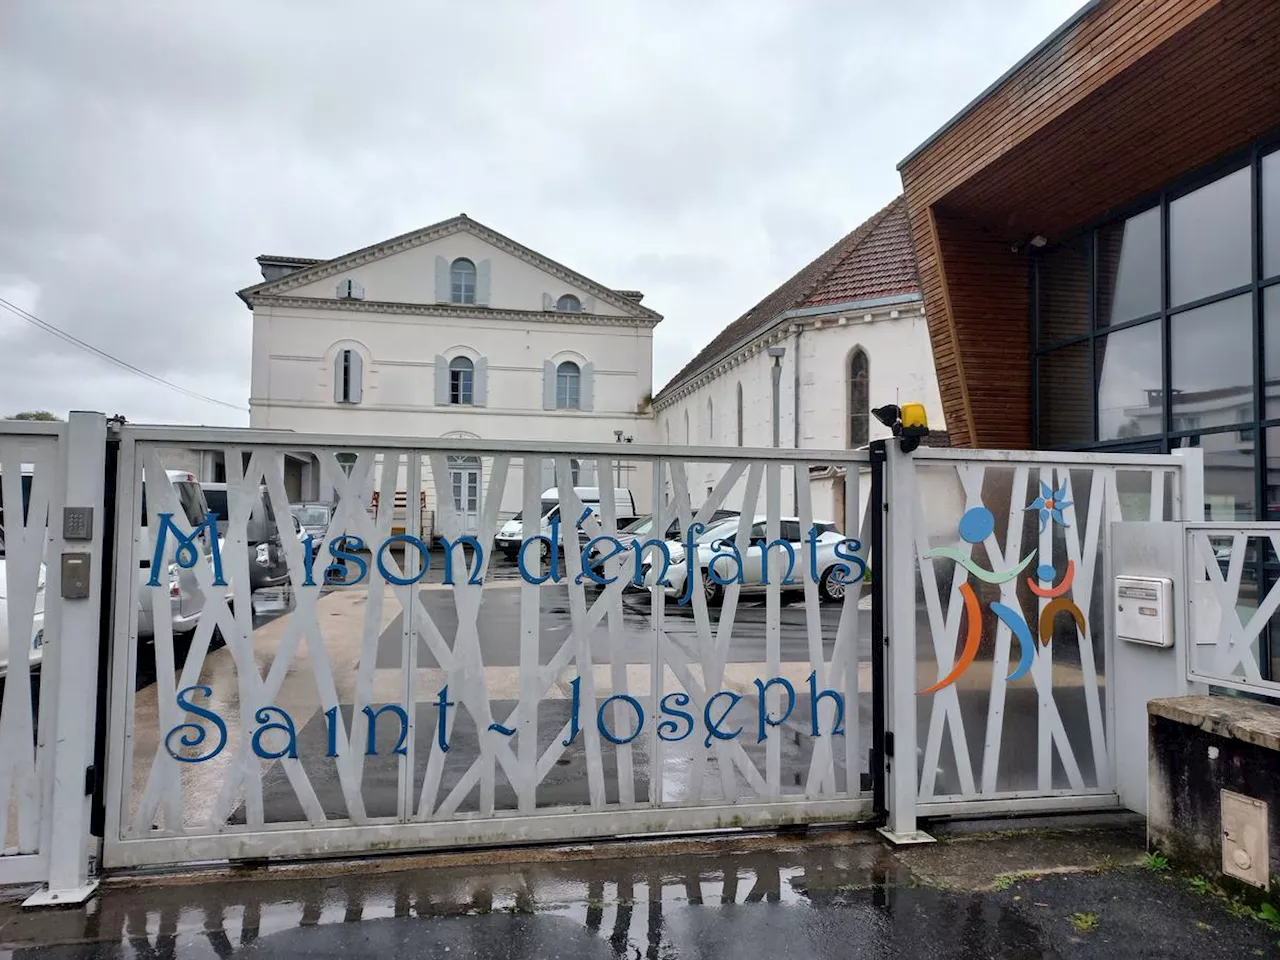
{"points": [[512, 533]]}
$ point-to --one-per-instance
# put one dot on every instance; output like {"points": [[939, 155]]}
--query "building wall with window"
{"points": [[1099, 245], [854, 336], [453, 330]]}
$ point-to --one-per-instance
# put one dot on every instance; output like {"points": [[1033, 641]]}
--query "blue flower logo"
{"points": [[1051, 503]]}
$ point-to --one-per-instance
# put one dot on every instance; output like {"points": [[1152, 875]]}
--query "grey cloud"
{"points": [[702, 152]]}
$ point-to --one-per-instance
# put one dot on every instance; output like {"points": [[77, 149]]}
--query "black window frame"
{"points": [[1265, 572]]}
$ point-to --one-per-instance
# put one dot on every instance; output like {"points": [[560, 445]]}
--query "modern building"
{"points": [[1098, 244], [853, 336], [453, 330]]}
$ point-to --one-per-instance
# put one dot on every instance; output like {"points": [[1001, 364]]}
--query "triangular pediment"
{"points": [[406, 270]]}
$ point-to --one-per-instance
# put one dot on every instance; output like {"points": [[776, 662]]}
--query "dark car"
{"points": [[268, 568]]}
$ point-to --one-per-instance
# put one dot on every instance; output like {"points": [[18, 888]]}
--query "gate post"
{"points": [[899, 578], [74, 645]]}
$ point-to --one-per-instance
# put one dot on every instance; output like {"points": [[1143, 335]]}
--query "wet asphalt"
{"points": [[832, 894]]}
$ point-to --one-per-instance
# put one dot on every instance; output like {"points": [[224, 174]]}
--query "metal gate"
{"points": [[398, 695]]}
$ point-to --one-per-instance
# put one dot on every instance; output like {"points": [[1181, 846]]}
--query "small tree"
{"points": [[44, 415]]}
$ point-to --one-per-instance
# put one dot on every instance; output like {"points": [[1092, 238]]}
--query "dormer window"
{"points": [[569, 304], [462, 281]]}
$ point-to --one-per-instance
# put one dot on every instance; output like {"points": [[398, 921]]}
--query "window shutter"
{"points": [[480, 384], [548, 473], [482, 283], [357, 380], [548, 385], [586, 390], [588, 304], [442, 381], [338, 396], [548, 302], [443, 294]]}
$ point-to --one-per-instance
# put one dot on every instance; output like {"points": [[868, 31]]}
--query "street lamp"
{"points": [[777, 353]]}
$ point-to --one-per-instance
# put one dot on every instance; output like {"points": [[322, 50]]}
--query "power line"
{"points": [[102, 354]]}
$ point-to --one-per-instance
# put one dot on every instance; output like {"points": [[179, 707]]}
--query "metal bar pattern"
{"points": [[1230, 612], [31, 491], [405, 708], [1009, 551]]}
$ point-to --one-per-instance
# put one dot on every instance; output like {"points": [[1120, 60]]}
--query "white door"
{"points": [[464, 479]]}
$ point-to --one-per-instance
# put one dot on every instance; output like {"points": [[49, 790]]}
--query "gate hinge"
{"points": [[888, 743], [90, 780]]}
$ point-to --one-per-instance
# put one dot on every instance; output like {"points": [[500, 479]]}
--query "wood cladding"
{"points": [[1134, 95]]}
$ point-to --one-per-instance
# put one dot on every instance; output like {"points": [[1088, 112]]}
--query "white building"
{"points": [[450, 331], [853, 327]]}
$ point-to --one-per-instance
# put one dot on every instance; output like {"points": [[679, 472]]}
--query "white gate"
{"points": [[997, 610], [49, 650], [29, 495], [412, 698]]}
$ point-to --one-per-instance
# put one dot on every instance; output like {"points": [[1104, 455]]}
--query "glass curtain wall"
{"points": [[1161, 329]]}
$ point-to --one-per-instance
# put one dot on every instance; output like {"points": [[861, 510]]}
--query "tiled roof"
{"points": [[875, 260], [936, 438], [882, 264]]}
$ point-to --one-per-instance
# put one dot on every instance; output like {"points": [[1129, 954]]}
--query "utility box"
{"points": [[1144, 610]]}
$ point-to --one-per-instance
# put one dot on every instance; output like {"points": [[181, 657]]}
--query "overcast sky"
{"points": [[698, 151]]}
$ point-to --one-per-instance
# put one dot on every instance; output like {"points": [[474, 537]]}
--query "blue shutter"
{"points": [[586, 388], [443, 294], [442, 381], [548, 385], [480, 390], [482, 283]]}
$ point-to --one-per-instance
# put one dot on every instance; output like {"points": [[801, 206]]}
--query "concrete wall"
{"points": [[1201, 746]]}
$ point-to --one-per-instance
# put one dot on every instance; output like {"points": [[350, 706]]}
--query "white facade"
{"points": [[374, 357], [894, 339]]}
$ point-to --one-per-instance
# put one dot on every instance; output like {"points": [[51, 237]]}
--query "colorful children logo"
{"points": [[976, 526]]}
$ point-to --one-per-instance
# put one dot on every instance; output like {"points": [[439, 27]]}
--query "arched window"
{"points": [[462, 378], [740, 413], [568, 386], [569, 304], [347, 376], [686, 428], [462, 281], [859, 399], [711, 420]]}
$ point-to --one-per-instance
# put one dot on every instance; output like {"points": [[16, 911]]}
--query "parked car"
{"points": [[314, 517], [186, 598], [514, 532], [268, 567], [829, 588], [642, 529], [35, 649]]}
